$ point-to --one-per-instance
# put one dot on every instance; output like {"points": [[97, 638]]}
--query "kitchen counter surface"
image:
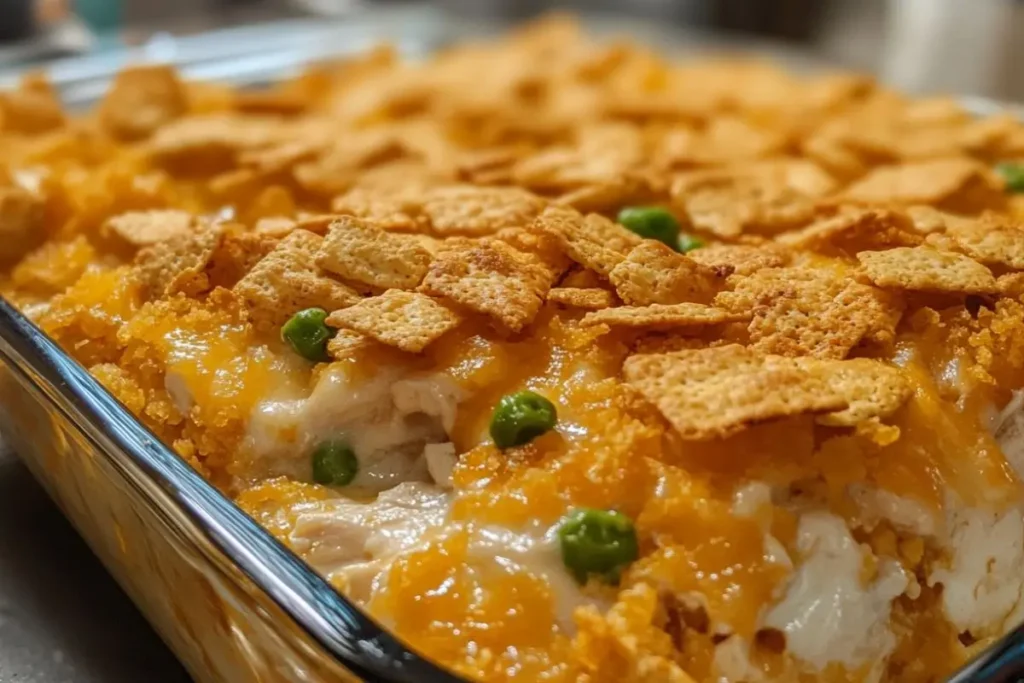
{"points": [[62, 618]]}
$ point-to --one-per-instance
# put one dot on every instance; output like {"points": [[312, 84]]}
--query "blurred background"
{"points": [[952, 46]]}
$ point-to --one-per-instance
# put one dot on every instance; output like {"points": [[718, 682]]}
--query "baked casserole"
{"points": [[568, 362]]}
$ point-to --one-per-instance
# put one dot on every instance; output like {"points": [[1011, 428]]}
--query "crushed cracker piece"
{"points": [[213, 141], [179, 264], [663, 316], [958, 182], [715, 392], [348, 344], [800, 311], [856, 230], [591, 299], [409, 321], [238, 253], [652, 273], [399, 212], [873, 389], [592, 241], [288, 280], [22, 228], [742, 205], [141, 99], [143, 228], [926, 269], [991, 240], [490, 277], [1011, 285], [472, 211], [358, 250], [741, 259]]}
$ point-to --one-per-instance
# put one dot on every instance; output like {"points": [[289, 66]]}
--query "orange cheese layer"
{"points": [[609, 450]]}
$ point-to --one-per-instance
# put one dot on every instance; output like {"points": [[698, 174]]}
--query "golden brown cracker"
{"points": [[741, 259], [287, 280], [993, 241], [716, 392], [958, 181], [743, 205], [474, 211], [591, 299], [663, 316], [143, 228], [873, 389], [490, 277], [179, 264], [925, 269], [141, 99], [591, 241], [652, 273], [811, 312], [409, 321], [359, 251], [398, 212], [855, 230]]}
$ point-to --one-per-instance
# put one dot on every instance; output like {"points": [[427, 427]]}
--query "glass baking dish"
{"points": [[233, 604]]}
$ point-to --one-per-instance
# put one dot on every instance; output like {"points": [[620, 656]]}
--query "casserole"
{"points": [[536, 441]]}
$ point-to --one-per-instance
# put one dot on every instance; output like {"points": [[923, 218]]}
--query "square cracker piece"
{"points": [[874, 390], [958, 181], [925, 269], [587, 298], [991, 240], [654, 274], [812, 312], [287, 280], [855, 229], [716, 392], [729, 208], [592, 241], [490, 277], [360, 251], [409, 321], [474, 211], [141, 99], [179, 264], [663, 316], [142, 228], [741, 259]]}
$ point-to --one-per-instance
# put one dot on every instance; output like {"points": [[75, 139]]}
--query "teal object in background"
{"points": [[100, 15]]}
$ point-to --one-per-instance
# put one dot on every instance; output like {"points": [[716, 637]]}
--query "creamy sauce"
{"points": [[353, 542], [387, 419], [830, 613]]}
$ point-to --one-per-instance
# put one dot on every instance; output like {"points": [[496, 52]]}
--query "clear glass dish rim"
{"points": [[196, 509]]}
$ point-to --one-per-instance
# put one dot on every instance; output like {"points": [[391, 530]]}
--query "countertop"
{"points": [[62, 618]]}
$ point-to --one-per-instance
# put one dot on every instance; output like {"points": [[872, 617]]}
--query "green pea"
{"points": [[689, 242], [651, 222], [334, 463], [598, 543], [308, 334], [1013, 176], [520, 418]]}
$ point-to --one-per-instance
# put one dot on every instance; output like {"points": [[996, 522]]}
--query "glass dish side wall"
{"points": [[218, 630], [234, 605]]}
